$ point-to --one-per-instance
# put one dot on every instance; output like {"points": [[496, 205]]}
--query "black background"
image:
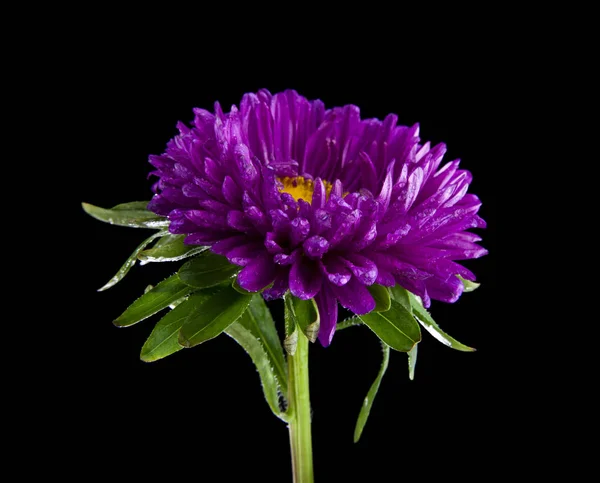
{"points": [[201, 412]]}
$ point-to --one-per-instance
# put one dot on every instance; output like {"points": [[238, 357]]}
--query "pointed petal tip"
{"points": [[325, 339]]}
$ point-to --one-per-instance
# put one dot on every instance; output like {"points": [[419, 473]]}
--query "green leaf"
{"points": [[207, 270], [163, 340], [400, 295], [132, 205], [130, 262], [170, 248], [307, 317], [381, 295], [134, 218], [213, 316], [291, 325], [468, 286], [255, 332], [160, 297], [412, 361], [430, 325], [368, 402], [396, 327]]}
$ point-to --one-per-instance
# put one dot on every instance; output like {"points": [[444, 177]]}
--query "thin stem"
{"points": [[299, 423]]}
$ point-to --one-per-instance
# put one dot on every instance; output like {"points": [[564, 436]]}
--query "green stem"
{"points": [[299, 423]]}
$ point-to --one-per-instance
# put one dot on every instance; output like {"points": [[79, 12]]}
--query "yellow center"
{"points": [[301, 188]]}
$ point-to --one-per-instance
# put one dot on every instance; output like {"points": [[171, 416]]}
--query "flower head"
{"points": [[320, 202]]}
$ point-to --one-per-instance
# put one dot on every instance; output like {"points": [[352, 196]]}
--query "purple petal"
{"points": [[328, 314], [214, 206], [285, 259], [300, 228], [231, 192], [305, 279], [246, 169], [363, 268], [315, 247], [272, 244], [181, 224], [367, 172], [346, 228], [385, 277], [210, 188], [279, 287], [334, 268], [290, 204], [160, 205], [213, 171], [238, 221], [321, 221], [257, 217], [355, 297], [319, 194], [410, 192], [208, 237], [227, 244], [244, 254], [416, 287], [337, 189], [365, 235], [192, 190], [446, 291], [257, 274], [281, 222], [304, 209], [207, 219], [386, 190]]}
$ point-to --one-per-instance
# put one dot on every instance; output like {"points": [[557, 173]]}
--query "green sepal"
{"points": [[291, 325], [306, 313]]}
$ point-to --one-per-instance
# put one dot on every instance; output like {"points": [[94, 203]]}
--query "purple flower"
{"points": [[320, 202]]}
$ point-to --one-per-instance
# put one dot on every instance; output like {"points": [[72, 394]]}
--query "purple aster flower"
{"points": [[320, 202]]}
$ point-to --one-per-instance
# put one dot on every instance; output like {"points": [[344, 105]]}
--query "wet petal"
{"points": [[334, 268], [279, 287], [305, 279], [355, 297], [363, 268], [315, 247], [328, 314], [257, 274]]}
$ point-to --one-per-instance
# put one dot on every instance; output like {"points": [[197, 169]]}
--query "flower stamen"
{"points": [[301, 188]]}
